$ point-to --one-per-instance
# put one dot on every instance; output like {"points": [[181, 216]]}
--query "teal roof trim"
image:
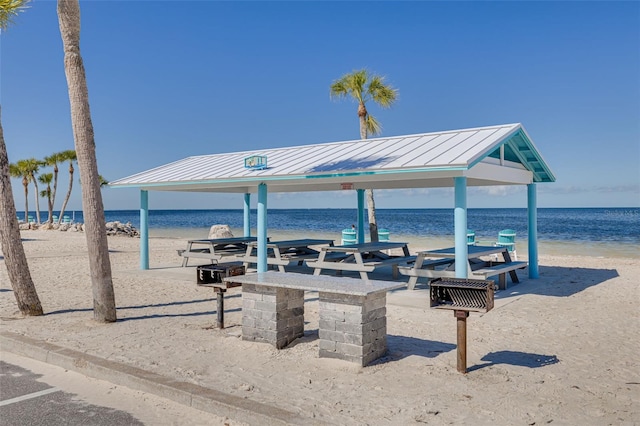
{"points": [[518, 148], [267, 179]]}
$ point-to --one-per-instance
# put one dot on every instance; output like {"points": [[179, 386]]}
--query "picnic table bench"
{"points": [[214, 249], [500, 269], [352, 312], [362, 258]]}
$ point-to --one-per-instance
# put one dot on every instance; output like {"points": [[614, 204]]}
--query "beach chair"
{"points": [[348, 236], [507, 238], [66, 219], [383, 236], [30, 219], [54, 219], [471, 237]]}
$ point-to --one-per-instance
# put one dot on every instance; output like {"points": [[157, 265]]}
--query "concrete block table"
{"points": [[353, 321]]}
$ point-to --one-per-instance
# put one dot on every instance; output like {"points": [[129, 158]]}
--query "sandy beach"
{"points": [[561, 349]]}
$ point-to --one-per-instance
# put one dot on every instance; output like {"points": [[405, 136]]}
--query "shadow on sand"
{"points": [[558, 281], [521, 359], [399, 347], [157, 305]]}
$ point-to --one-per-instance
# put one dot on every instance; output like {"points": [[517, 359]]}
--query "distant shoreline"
{"points": [[545, 247]]}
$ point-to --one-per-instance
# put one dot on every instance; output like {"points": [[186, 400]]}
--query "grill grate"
{"points": [[462, 294]]}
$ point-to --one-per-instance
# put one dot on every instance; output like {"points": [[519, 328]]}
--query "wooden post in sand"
{"points": [[461, 319], [220, 311]]}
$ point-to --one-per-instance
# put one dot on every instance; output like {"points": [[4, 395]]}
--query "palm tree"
{"points": [[32, 166], [70, 156], [364, 87], [14, 257], [46, 179], [53, 160], [104, 305], [19, 171]]}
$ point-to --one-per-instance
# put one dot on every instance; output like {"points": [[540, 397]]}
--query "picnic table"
{"points": [[362, 258], [215, 249], [284, 253], [425, 266]]}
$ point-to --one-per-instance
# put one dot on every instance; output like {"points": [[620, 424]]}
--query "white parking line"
{"points": [[28, 396]]}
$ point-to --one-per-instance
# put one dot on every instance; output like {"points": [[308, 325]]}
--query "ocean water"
{"points": [[577, 231]]}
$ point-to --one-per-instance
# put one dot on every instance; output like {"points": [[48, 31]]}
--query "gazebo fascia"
{"points": [[485, 156]]}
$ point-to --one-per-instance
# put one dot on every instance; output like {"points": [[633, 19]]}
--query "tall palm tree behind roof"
{"points": [[364, 87]]}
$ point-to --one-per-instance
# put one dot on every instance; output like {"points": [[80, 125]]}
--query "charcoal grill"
{"points": [[212, 276], [462, 295]]}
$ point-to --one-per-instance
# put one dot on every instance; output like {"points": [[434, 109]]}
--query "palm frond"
{"points": [[9, 9], [381, 93], [45, 178], [338, 89], [373, 126]]}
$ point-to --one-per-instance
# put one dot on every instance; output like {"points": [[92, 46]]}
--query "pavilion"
{"points": [[484, 156]]}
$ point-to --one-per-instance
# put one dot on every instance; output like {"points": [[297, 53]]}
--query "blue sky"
{"points": [[171, 79]]}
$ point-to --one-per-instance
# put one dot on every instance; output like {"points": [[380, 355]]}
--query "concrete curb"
{"points": [[189, 394]]}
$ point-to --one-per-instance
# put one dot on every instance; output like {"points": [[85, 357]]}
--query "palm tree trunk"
{"points": [[11, 242], [371, 209], [371, 205], [362, 115], [55, 189], [26, 200], [66, 198], [104, 308], [37, 195], [50, 205]]}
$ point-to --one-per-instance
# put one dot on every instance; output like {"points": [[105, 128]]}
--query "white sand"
{"points": [[563, 348]]}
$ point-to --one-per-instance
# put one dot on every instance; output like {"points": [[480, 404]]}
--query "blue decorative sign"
{"points": [[256, 162]]}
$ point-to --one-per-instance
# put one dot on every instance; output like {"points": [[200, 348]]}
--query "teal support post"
{"points": [[460, 227], [532, 213], [144, 230], [247, 215], [360, 215], [262, 227]]}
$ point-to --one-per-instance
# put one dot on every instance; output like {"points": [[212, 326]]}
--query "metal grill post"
{"points": [[461, 320]]}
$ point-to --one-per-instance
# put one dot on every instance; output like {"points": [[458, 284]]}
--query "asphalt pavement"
{"points": [[34, 393]]}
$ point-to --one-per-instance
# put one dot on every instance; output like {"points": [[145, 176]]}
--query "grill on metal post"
{"points": [[462, 296]]}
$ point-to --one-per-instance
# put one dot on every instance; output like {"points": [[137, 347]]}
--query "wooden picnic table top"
{"points": [[365, 247], [473, 251], [218, 241], [290, 244]]}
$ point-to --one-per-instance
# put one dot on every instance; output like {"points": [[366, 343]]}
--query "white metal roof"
{"points": [[495, 155]]}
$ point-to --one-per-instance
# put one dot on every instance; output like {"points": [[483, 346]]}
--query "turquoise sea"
{"points": [[574, 231]]}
